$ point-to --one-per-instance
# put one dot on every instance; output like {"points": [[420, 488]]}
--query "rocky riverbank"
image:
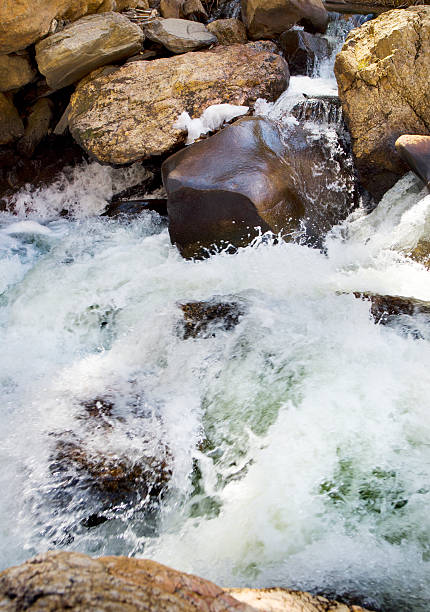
{"points": [[133, 84]]}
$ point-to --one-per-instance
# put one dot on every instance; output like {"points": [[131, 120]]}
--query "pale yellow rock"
{"points": [[15, 71], [11, 126], [130, 114], [285, 600], [382, 73]]}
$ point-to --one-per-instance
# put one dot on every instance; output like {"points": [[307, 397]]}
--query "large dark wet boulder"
{"points": [[249, 178], [303, 50]]}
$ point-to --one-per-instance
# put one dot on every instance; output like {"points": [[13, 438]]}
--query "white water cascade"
{"points": [[297, 443]]}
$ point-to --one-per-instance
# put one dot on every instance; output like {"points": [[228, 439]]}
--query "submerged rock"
{"points": [[179, 35], [415, 151], [382, 73], [303, 50], [228, 31], [385, 308], [130, 114], [203, 319], [136, 207], [87, 44], [249, 178], [268, 18]]}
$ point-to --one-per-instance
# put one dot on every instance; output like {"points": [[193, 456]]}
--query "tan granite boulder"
{"points": [[269, 18], [228, 31], [130, 114], [382, 73], [15, 71], [86, 44]]}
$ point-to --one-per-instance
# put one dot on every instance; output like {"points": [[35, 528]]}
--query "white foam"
{"points": [[211, 119]]}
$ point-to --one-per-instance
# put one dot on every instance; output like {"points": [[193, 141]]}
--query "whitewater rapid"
{"points": [[298, 441]]}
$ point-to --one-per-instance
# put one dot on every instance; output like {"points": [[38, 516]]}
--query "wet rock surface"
{"points": [[86, 44], [303, 50], [382, 73], [179, 35], [278, 188], [269, 18], [203, 319], [386, 308], [130, 114]]}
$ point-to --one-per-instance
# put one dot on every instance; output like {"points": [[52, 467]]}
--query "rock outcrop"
{"points": [[179, 35], [86, 44], [382, 73], [15, 71], [228, 31], [130, 114], [268, 18], [73, 581], [222, 189]]}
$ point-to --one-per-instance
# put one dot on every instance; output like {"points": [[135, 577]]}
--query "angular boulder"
{"points": [[303, 50], [228, 31], [131, 113], [179, 35], [415, 151], [269, 18], [222, 189], [15, 71], [86, 44], [382, 73], [11, 126]]}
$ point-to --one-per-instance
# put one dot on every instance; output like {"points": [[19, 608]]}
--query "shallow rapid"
{"points": [[296, 442]]}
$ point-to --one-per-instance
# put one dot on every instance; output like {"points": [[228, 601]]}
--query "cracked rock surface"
{"points": [[382, 73]]}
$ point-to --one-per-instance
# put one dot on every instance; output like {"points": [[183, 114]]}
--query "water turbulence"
{"points": [[287, 446]]}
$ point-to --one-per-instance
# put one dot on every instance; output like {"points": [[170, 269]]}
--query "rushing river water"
{"points": [[297, 443]]}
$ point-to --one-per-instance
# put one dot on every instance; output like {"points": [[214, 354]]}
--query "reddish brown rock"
{"points": [[415, 151]]}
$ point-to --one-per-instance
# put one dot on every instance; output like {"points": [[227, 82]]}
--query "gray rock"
{"points": [[180, 35], [11, 126], [86, 44], [15, 71]]}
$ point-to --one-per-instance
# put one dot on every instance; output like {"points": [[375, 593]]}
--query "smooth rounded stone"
{"points": [[415, 151], [228, 31], [86, 44], [15, 71], [382, 74], [269, 18], [59, 580], [37, 127], [11, 126], [179, 35], [23, 22], [130, 114], [303, 50], [223, 189]]}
